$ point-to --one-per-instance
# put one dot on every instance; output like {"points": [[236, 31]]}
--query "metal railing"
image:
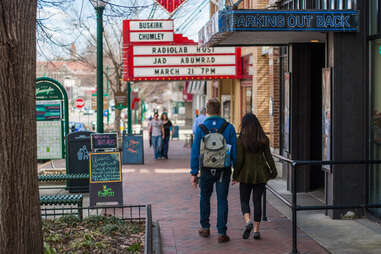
{"points": [[132, 213], [293, 204]]}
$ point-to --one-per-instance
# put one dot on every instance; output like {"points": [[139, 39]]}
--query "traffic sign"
{"points": [[79, 103]]}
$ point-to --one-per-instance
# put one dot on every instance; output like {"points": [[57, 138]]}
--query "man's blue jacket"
{"points": [[212, 123]]}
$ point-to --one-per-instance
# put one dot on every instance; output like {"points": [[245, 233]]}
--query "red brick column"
{"points": [[274, 78]]}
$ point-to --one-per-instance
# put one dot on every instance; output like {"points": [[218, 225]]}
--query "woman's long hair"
{"points": [[164, 115], [252, 136]]}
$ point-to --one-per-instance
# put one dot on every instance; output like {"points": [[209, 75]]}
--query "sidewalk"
{"points": [[175, 204]]}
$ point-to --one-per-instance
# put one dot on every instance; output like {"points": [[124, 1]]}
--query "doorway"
{"points": [[302, 85]]}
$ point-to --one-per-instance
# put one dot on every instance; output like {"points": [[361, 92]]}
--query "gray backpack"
{"points": [[213, 149]]}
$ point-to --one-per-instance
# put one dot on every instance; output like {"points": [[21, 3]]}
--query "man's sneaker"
{"points": [[257, 235], [223, 238], [247, 230], [204, 232]]}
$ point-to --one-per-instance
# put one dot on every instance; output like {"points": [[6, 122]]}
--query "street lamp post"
{"points": [[99, 6]]}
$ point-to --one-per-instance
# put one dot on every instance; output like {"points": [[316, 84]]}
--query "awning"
{"points": [[197, 87], [275, 27]]}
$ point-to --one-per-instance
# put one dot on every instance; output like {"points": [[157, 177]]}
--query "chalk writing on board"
{"points": [[105, 167], [132, 146], [104, 141]]}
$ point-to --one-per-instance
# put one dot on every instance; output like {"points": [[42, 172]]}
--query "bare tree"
{"points": [[112, 53], [20, 218]]}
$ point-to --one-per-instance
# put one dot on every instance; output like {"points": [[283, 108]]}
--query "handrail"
{"points": [[293, 204]]}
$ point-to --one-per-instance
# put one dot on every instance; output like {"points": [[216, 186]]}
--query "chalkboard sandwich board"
{"points": [[104, 141], [132, 149], [105, 178]]}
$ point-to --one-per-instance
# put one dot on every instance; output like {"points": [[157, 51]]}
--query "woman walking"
{"points": [[254, 167], [167, 126]]}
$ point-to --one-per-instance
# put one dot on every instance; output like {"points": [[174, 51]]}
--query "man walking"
{"points": [[215, 166], [156, 128]]}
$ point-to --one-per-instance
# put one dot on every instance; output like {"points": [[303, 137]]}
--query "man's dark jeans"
{"points": [[164, 147], [207, 180]]}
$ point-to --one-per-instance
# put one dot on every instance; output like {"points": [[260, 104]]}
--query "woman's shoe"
{"points": [[247, 230], [257, 235]]}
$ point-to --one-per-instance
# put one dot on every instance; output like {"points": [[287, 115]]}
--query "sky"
{"points": [[57, 23]]}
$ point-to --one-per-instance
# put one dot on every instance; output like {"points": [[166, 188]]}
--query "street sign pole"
{"points": [[108, 98], [129, 128], [99, 11]]}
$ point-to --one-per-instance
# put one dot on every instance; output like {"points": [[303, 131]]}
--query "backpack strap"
{"points": [[223, 127], [204, 129]]}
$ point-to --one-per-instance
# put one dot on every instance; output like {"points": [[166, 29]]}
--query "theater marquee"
{"points": [[148, 56]]}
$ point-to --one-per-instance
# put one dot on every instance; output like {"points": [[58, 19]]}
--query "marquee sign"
{"points": [[183, 62], [159, 58], [143, 31], [170, 5]]}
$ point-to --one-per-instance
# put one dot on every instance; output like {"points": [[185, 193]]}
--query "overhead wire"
{"points": [[189, 19]]}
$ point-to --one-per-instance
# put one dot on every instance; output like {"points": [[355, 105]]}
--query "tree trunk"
{"points": [[20, 216], [117, 120]]}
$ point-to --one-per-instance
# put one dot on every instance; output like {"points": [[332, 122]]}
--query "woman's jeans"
{"points": [[156, 143], [164, 150], [207, 181], [245, 190]]}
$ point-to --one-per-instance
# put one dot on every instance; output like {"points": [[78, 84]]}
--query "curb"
{"points": [[156, 239]]}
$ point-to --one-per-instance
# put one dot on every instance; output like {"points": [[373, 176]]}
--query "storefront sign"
{"points": [[121, 100], [229, 21]]}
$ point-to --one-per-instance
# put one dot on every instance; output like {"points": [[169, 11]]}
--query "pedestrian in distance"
{"points": [[212, 155], [157, 135], [199, 120], [150, 131], [253, 168], [167, 126]]}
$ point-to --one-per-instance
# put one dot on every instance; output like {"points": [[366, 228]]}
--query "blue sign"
{"points": [[285, 20], [133, 149], [229, 21]]}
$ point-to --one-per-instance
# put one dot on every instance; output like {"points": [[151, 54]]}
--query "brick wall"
{"points": [[274, 76], [261, 88]]}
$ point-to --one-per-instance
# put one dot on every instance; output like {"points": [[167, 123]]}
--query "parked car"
{"points": [[89, 112], [76, 126]]}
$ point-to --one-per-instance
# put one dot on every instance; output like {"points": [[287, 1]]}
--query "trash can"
{"points": [[78, 148]]}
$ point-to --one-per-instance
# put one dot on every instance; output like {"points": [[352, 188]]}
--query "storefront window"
{"points": [[375, 125], [247, 99]]}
